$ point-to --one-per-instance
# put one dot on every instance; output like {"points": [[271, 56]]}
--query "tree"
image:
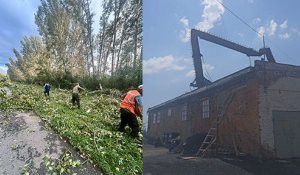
{"points": [[30, 60], [67, 49]]}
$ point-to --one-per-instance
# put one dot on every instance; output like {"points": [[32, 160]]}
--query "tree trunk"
{"points": [[135, 42], [106, 56], [120, 46]]}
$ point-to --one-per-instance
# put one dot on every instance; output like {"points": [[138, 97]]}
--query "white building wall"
{"points": [[283, 95]]}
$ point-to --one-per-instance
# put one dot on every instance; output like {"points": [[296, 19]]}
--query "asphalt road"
{"points": [[159, 161], [25, 141]]}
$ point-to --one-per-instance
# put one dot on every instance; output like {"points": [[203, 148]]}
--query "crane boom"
{"points": [[200, 80]]}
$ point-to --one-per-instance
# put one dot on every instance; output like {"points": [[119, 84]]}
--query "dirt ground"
{"points": [[159, 161], [25, 141]]}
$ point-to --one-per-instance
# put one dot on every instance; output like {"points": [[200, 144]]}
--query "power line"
{"points": [[240, 18], [254, 30]]}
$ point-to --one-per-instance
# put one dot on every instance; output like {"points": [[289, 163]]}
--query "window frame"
{"points": [[184, 112], [154, 118], [169, 112], [205, 108], [158, 117]]}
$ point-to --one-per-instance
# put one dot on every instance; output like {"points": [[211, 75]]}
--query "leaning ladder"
{"points": [[209, 140]]}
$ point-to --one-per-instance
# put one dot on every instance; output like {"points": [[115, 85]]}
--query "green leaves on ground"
{"points": [[62, 165], [92, 129]]}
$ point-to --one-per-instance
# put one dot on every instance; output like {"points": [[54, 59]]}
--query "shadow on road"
{"points": [[264, 167], [159, 161]]}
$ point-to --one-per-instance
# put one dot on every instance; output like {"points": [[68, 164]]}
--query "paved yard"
{"points": [[159, 161]]}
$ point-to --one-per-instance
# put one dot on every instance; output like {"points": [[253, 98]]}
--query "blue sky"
{"points": [[17, 21], [168, 65]]}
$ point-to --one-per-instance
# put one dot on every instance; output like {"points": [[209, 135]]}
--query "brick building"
{"points": [[257, 109]]}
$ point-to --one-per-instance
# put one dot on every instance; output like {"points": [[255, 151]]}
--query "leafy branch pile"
{"points": [[62, 165], [92, 129]]}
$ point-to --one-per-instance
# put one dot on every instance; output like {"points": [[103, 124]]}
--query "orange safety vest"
{"points": [[129, 102]]}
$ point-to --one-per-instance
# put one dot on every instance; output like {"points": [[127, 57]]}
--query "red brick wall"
{"points": [[240, 122], [244, 117]]}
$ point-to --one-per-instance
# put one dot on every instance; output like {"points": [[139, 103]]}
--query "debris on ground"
{"points": [[27, 146], [92, 129], [190, 146]]}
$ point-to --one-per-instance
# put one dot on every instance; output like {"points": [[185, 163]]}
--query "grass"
{"points": [[92, 130]]}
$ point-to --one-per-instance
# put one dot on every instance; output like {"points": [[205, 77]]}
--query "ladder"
{"points": [[209, 140]]}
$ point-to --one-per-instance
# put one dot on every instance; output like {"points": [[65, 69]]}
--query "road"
{"points": [[25, 141], [159, 161]]}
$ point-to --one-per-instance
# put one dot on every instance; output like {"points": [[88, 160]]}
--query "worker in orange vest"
{"points": [[130, 108]]}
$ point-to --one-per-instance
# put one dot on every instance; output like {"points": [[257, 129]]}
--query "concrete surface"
{"points": [[24, 139], [159, 161]]}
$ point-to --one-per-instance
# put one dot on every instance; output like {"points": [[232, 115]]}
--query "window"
{"points": [[158, 118], [169, 112], [154, 118], [184, 112], [205, 110]]}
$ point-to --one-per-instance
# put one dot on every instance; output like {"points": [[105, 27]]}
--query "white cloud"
{"points": [[206, 67], [3, 69], [190, 73], [283, 25], [284, 36], [251, 1], [261, 30], [212, 13], [269, 29], [272, 27], [158, 64], [184, 21], [185, 33]]}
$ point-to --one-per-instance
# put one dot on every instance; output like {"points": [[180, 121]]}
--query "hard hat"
{"points": [[140, 87]]}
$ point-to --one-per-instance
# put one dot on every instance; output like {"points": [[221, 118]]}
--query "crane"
{"points": [[200, 80]]}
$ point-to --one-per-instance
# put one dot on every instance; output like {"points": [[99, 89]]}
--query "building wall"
{"points": [[174, 123], [198, 123], [240, 124], [248, 121], [284, 95]]}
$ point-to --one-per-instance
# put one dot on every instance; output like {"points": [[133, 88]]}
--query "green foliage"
{"points": [[27, 168], [62, 165], [2, 76], [29, 61], [92, 129], [123, 80], [64, 52]]}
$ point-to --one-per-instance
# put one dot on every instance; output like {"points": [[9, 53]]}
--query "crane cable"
{"points": [[204, 68]]}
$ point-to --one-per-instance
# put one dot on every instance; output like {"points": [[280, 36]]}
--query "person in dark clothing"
{"points": [[130, 108], [47, 88]]}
